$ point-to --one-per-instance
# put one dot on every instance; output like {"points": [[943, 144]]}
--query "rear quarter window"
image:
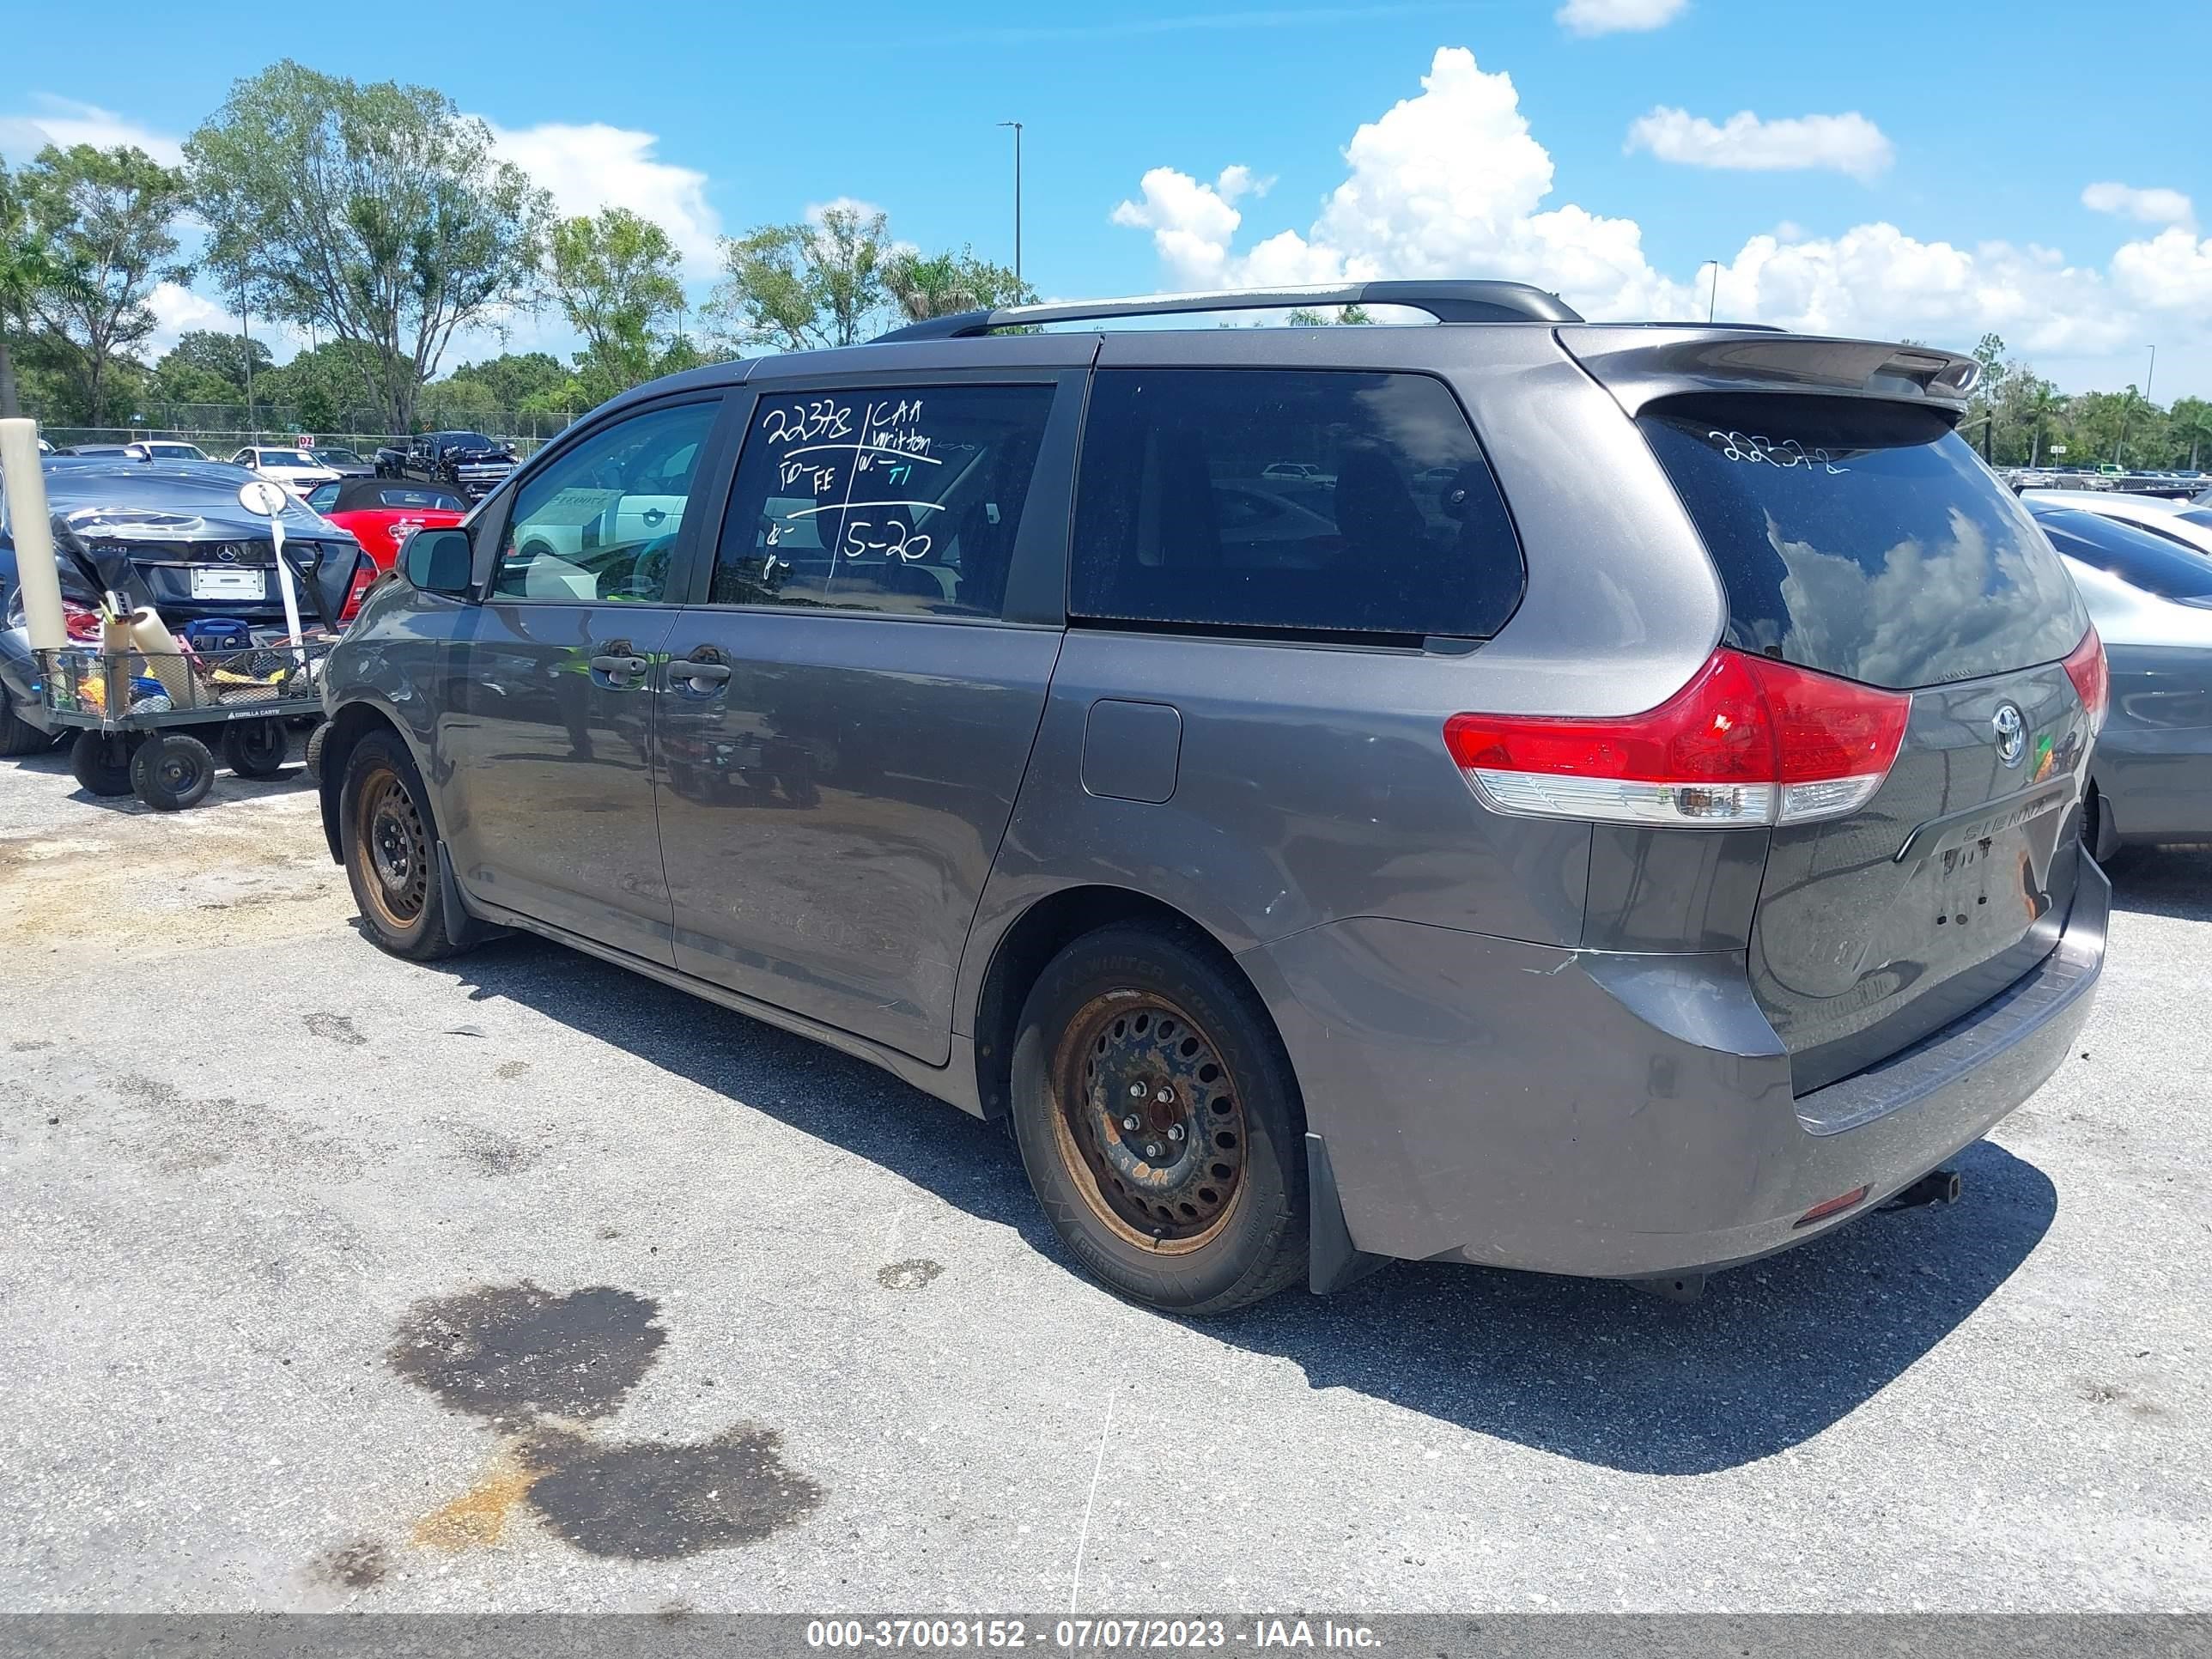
{"points": [[1282, 502], [1864, 539]]}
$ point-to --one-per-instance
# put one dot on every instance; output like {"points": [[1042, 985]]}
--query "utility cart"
{"points": [[151, 723]]}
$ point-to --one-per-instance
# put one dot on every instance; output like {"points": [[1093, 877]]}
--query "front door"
{"points": [[553, 760], [851, 706]]}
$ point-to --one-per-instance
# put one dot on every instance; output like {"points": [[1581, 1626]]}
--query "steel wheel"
{"points": [[1150, 1123], [395, 848]]}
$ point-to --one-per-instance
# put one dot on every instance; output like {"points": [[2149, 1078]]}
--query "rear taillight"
{"points": [[2086, 667], [363, 578], [1747, 741]]}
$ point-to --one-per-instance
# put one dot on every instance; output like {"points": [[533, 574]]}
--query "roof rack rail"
{"points": [[1446, 301]]}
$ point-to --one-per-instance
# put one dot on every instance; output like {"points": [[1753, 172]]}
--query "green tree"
{"points": [[321, 389], [2191, 424], [2043, 403], [104, 222], [207, 366], [1307, 317], [24, 269], [948, 283], [794, 287], [615, 277], [530, 380], [377, 214]]}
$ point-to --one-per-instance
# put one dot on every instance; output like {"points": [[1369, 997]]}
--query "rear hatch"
{"points": [[1857, 536]]}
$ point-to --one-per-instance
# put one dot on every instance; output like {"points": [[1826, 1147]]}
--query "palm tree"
{"points": [[2196, 428], [937, 287], [2044, 401], [923, 289]]}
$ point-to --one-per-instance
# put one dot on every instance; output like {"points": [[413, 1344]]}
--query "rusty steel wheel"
{"points": [[395, 848], [390, 842], [1159, 1120], [1150, 1123]]}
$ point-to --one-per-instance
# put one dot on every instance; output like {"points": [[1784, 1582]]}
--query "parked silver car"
{"points": [[1653, 846], [2152, 599]]}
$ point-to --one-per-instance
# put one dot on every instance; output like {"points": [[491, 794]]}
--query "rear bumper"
{"points": [[1615, 1115]]}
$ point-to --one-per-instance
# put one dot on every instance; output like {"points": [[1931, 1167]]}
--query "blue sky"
{"points": [[1941, 186]]}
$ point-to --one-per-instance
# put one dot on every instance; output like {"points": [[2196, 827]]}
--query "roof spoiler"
{"points": [[1446, 301], [1638, 369]]}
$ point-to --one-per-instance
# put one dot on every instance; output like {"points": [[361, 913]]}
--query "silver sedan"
{"points": [[2151, 599]]}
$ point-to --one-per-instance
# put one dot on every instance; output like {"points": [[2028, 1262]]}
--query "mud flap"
{"points": [[1333, 1261], [462, 926]]}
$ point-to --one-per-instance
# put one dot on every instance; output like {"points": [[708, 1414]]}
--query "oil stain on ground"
{"points": [[653, 1500], [515, 1353], [333, 1028], [360, 1565], [908, 1275], [517, 1356], [478, 1518]]}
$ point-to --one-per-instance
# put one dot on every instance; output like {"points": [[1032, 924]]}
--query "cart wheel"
{"points": [[101, 762], [314, 753], [255, 749], [171, 771]]}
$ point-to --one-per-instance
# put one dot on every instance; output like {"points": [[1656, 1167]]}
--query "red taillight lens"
{"points": [[2086, 667], [363, 579], [1748, 740], [80, 623]]}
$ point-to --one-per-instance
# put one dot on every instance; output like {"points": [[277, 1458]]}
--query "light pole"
{"points": [[1713, 299], [1017, 127]]}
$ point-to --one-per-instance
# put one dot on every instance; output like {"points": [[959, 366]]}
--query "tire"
{"points": [[101, 763], [314, 752], [18, 736], [391, 843], [255, 749], [1203, 1208], [171, 770]]}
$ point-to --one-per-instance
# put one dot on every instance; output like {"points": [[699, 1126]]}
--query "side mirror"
{"points": [[437, 562]]}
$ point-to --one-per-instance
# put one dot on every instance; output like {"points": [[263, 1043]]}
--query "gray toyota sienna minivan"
{"points": [[1600, 799]]}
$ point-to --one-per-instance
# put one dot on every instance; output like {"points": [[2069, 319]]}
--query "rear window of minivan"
{"points": [[1330, 502], [1864, 539]]}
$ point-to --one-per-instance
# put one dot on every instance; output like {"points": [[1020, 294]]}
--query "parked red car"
{"points": [[382, 513]]}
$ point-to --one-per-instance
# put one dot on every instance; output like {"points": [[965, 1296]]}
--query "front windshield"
{"points": [[343, 457], [468, 441], [286, 458]]}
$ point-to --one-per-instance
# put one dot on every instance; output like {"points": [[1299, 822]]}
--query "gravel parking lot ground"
{"points": [[292, 1230]]}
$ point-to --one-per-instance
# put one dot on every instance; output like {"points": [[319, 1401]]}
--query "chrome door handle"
{"points": [[703, 678], [653, 515], [619, 671]]}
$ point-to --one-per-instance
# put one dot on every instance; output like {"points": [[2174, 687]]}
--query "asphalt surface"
{"points": [[295, 1236]]}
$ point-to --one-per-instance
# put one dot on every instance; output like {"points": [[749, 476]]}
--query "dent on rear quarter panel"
{"points": [[1522, 1104]]}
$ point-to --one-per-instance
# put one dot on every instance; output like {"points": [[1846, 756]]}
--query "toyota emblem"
{"points": [[2012, 733]]}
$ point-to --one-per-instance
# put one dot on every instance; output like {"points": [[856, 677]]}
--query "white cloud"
{"points": [[2149, 207], [1588, 17], [1452, 183], [1191, 222], [64, 121], [596, 166], [1845, 143], [176, 311]]}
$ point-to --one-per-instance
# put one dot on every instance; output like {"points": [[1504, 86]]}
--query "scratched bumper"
{"points": [[1523, 1106]]}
